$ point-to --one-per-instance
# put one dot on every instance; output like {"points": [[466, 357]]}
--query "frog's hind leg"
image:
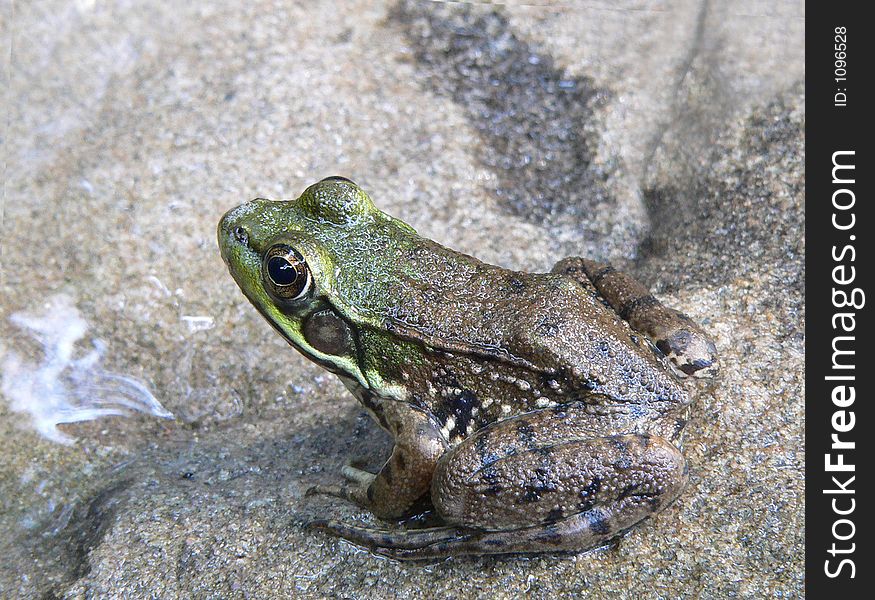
{"points": [[689, 349], [544, 481], [581, 531], [549, 480]]}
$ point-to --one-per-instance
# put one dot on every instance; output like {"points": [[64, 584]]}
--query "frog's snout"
{"points": [[237, 227], [228, 226]]}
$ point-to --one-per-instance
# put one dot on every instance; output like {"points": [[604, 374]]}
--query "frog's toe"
{"points": [[322, 490], [688, 348], [356, 475]]}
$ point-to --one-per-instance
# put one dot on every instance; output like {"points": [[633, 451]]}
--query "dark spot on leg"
{"points": [[620, 444], [627, 491], [492, 490], [588, 494], [516, 285], [489, 476], [554, 515], [623, 461], [544, 451], [598, 523], [530, 494], [481, 442], [542, 482], [546, 328], [401, 461], [525, 434], [600, 274], [484, 453], [559, 412], [593, 487], [550, 535], [645, 302]]}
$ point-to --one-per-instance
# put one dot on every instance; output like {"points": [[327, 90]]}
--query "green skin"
{"points": [[536, 411]]}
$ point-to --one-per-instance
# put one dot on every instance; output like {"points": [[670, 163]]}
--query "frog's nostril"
{"points": [[240, 235]]}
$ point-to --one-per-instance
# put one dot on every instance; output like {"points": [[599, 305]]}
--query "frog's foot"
{"points": [[688, 348], [355, 491], [406, 475]]}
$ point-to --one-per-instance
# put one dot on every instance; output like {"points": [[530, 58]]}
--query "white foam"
{"points": [[198, 323], [68, 386]]}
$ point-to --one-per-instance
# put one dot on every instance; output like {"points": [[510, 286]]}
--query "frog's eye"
{"points": [[285, 272]]}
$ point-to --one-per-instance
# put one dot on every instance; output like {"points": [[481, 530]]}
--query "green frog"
{"points": [[538, 412]]}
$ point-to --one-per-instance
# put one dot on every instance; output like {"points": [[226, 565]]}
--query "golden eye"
{"points": [[285, 272]]}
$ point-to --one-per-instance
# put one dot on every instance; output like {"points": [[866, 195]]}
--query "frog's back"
{"points": [[488, 342], [503, 342]]}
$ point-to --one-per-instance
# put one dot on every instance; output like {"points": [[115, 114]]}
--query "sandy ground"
{"points": [[665, 137]]}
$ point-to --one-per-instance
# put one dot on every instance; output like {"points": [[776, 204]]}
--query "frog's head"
{"points": [[286, 256]]}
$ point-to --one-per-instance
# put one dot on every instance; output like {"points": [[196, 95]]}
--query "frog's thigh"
{"points": [[569, 495], [682, 341], [585, 493]]}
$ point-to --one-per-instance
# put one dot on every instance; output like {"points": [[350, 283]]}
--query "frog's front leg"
{"points": [[544, 481], [407, 474], [686, 345]]}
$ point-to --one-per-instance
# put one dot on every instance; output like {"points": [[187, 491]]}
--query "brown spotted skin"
{"points": [[514, 474], [536, 411], [545, 481], [565, 478], [686, 345]]}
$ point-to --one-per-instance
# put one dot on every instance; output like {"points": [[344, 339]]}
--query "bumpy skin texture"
{"points": [[535, 417]]}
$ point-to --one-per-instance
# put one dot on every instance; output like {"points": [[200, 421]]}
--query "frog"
{"points": [[532, 412]]}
